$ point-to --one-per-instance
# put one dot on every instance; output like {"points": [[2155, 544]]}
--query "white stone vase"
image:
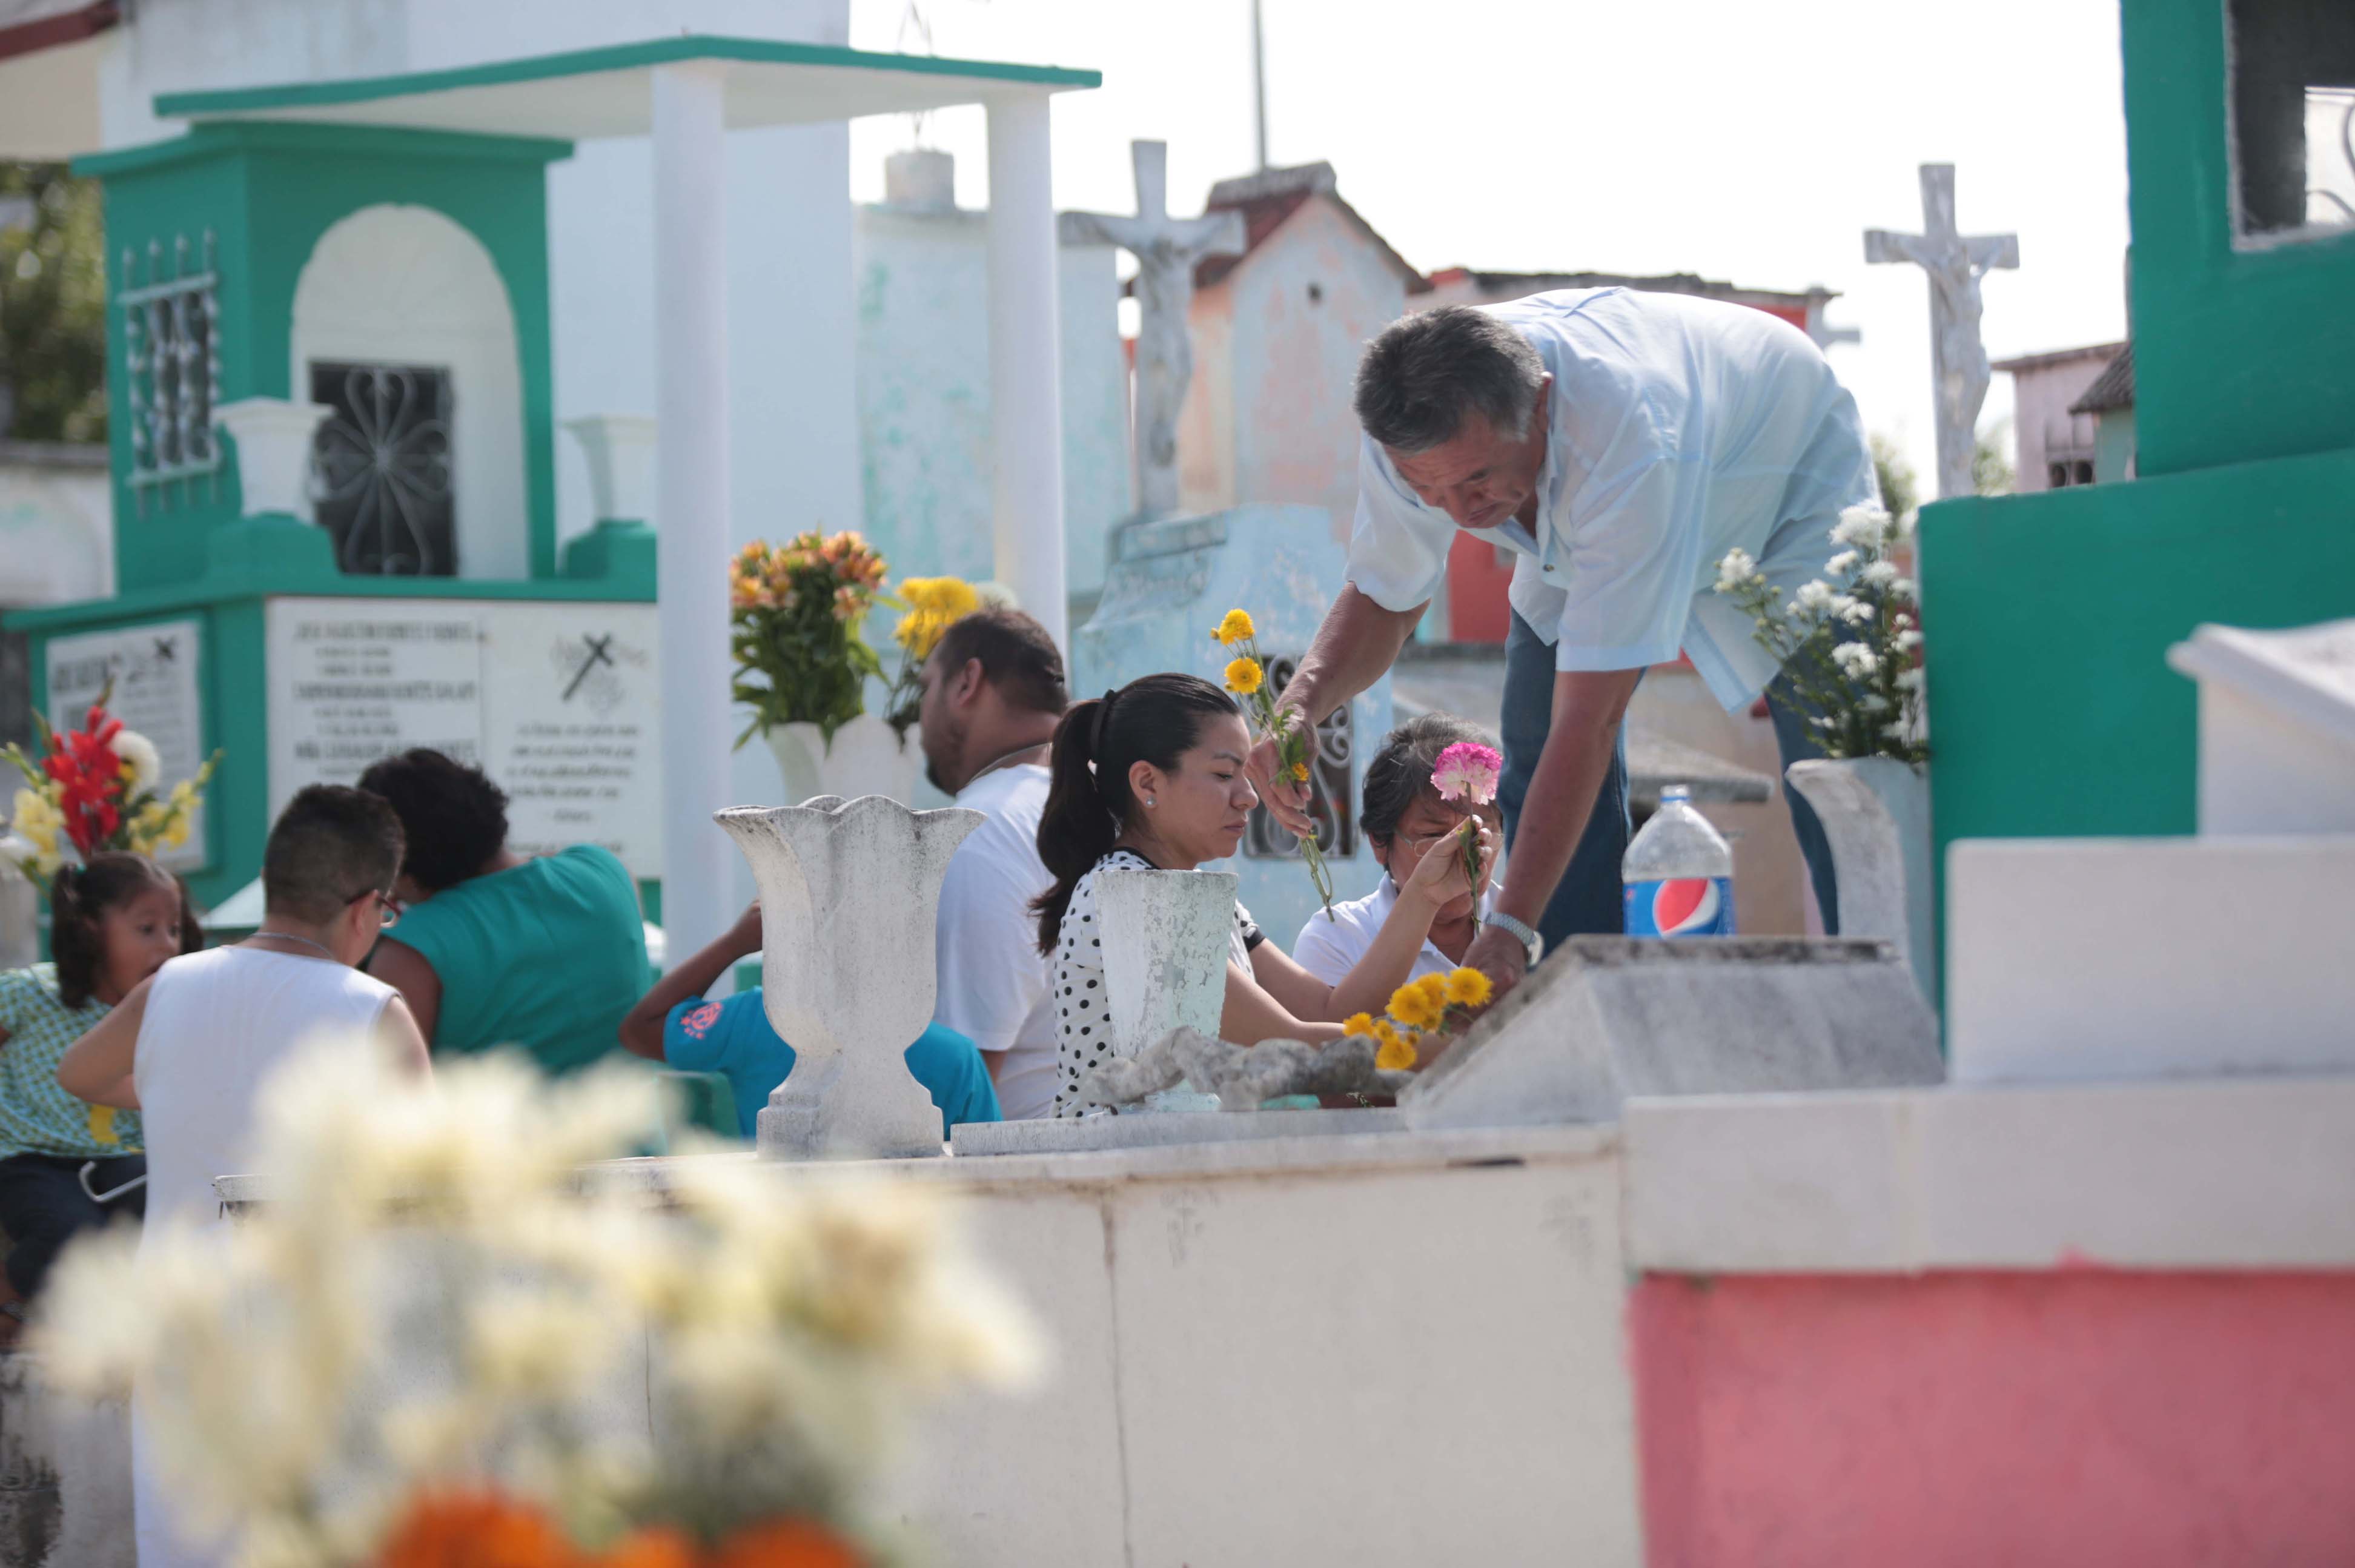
{"points": [[1165, 952], [866, 758], [620, 449], [273, 452], [1165, 963], [849, 895], [1876, 817]]}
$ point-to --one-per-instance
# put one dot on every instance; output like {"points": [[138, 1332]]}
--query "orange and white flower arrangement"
{"points": [[435, 1332], [1246, 677]]}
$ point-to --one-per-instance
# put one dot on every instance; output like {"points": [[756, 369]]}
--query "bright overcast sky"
{"points": [[1741, 141]]}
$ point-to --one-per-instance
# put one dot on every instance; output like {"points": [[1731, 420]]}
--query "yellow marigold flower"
{"points": [[1300, 773], [1469, 988], [1434, 989], [1386, 1033], [1396, 1055], [1413, 1007], [1235, 628], [1357, 1023], [1243, 677]]}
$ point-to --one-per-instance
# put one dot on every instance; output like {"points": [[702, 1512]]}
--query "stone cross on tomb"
{"points": [[1166, 250], [1958, 361]]}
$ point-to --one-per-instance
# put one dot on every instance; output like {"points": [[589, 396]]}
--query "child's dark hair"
{"points": [[80, 897], [1154, 719]]}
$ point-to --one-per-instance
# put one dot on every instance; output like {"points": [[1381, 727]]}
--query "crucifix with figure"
{"points": [[1958, 361], [1166, 250]]}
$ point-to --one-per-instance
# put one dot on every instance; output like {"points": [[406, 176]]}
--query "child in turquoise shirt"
{"points": [[673, 1024]]}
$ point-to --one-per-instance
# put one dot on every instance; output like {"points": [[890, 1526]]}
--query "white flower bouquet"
{"points": [[436, 1330], [1851, 640]]}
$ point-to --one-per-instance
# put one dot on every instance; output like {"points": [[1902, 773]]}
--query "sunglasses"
{"points": [[390, 909]]}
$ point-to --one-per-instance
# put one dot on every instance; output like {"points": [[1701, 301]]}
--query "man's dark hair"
{"points": [[1017, 656], [1401, 771], [454, 816], [1423, 374], [330, 845]]}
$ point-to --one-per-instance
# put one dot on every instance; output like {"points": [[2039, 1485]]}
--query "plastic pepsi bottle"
{"points": [[1679, 873]]}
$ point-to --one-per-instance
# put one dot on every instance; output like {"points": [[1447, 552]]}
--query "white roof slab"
{"points": [[586, 94], [2307, 674]]}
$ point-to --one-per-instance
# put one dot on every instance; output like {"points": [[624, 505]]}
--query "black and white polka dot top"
{"points": [[1084, 1039]]}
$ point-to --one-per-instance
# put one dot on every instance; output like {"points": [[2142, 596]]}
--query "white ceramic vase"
{"points": [[866, 758], [849, 895], [1876, 817]]}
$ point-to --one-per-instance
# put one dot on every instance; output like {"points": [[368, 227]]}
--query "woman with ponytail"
{"points": [[1150, 777], [64, 1164]]}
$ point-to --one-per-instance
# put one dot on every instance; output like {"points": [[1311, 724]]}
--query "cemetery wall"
{"points": [[2048, 617], [2234, 354], [2086, 1415], [922, 398]]}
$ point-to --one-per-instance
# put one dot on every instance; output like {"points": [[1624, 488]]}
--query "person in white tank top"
{"points": [[191, 1046]]}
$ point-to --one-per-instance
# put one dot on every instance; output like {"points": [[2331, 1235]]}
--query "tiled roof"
{"points": [[1269, 197], [2113, 388]]}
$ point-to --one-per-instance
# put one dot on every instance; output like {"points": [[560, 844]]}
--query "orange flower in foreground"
{"points": [[786, 1543], [477, 1529], [658, 1547]]}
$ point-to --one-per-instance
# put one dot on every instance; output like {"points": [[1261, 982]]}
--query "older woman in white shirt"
{"points": [[1404, 820]]}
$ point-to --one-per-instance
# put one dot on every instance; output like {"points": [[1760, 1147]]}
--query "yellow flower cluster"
{"points": [[1244, 676], [1434, 1003], [33, 816], [163, 824], [935, 604], [1235, 627]]}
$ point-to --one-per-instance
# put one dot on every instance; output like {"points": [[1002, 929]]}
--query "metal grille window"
{"points": [[2292, 127], [171, 335], [383, 461], [1333, 804]]}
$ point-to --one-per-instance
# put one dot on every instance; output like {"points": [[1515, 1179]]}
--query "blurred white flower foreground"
{"points": [[433, 1296]]}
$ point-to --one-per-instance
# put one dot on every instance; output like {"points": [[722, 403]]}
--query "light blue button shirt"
{"points": [[1678, 429]]}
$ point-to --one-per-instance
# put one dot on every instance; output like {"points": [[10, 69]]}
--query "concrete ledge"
{"points": [[2075, 960], [1087, 1135], [2233, 1174]]}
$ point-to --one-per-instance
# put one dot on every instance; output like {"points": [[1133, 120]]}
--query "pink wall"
{"points": [[2085, 1417]]}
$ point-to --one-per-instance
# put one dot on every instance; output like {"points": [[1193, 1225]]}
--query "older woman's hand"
{"points": [[1439, 876]]}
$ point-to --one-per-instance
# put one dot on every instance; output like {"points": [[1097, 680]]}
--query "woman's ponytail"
{"points": [[1077, 828]]}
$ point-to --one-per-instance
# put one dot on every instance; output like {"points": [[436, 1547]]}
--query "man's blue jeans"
{"points": [[1590, 898]]}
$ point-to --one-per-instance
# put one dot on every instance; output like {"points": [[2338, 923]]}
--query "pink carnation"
{"points": [[1466, 774]]}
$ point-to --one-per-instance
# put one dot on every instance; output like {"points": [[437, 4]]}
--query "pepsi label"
{"points": [[1681, 906]]}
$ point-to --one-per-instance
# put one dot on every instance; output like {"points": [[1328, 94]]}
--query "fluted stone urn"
{"points": [[849, 895]]}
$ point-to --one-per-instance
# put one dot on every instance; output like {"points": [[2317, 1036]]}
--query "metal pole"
{"points": [[1258, 85]]}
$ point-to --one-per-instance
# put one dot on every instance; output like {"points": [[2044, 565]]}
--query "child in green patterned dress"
{"points": [[64, 1164]]}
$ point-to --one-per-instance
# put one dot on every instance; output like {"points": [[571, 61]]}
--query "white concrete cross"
{"points": [[1958, 361], [1166, 250]]}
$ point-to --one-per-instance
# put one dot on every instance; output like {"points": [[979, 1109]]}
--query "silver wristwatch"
{"points": [[1520, 932]]}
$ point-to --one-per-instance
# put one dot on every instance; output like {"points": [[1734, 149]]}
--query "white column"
{"points": [[691, 497], [1025, 386]]}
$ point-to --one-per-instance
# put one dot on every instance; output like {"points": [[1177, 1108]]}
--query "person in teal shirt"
{"points": [[673, 1024], [495, 949]]}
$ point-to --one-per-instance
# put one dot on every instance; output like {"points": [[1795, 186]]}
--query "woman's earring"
{"points": [[1150, 801]]}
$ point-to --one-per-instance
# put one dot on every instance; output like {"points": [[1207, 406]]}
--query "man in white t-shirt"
{"points": [[993, 693], [1620, 444]]}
